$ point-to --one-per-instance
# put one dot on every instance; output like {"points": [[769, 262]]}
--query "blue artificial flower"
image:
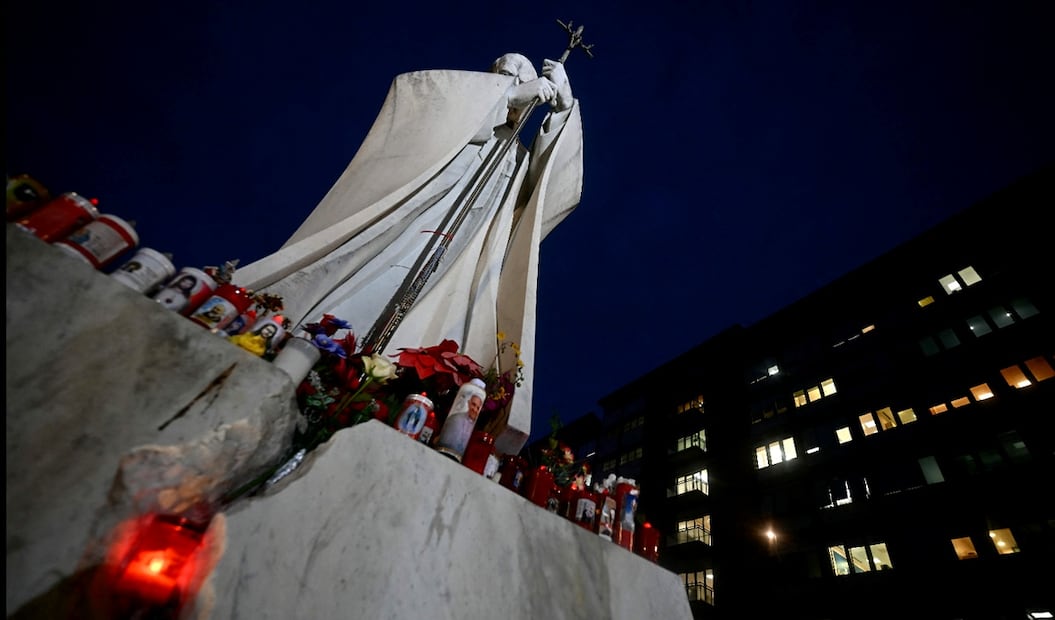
{"points": [[325, 343]]}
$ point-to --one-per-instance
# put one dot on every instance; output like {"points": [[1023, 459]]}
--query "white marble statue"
{"points": [[434, 131]]}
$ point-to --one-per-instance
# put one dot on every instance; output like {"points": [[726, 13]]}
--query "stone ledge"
{"points": [[115, 406], [374, 525]]}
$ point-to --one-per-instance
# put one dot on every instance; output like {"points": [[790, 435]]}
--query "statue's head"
{"points": [[516, 65]]}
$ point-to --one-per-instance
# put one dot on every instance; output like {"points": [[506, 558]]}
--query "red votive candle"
{"points": [[481, 445], [646, 542], [538, 485], [513, 470]]}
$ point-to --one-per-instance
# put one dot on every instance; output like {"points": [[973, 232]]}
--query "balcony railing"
{"points": [[700, 592], [692, 534], [688, 486]]}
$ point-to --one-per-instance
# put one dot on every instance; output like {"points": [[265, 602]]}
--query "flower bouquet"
{"points": [[559, 459], [345, 387]]}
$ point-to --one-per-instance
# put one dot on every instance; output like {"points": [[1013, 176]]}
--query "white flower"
{"points": [[378, 368]]}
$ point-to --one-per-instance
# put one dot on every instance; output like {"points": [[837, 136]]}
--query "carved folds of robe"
{"points": [[433, 134]]}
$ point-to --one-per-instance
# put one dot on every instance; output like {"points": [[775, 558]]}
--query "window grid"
{"points": [[698, 529], [860, 559], [813, 393], [700, 585], [695, 440], [696, 481]]}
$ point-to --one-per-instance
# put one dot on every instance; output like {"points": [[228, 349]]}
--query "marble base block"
{"points": [[375, 525]]}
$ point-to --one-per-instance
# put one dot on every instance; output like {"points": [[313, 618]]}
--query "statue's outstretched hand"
{"points": [[555, 72], [521, 95]]}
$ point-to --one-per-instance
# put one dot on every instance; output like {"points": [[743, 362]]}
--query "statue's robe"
{"points": [[353, 251]]}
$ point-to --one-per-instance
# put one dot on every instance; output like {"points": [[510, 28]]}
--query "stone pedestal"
{"points": [[117, 407], [376, 525]]}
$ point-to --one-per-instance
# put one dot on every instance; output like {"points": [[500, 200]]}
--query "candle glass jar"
{"points": [[538, 485], [481, 446]]}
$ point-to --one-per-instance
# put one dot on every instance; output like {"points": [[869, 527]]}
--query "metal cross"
{"points": [[574, 41]]}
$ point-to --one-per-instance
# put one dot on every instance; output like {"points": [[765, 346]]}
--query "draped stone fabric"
{"points": [[426, 148]]}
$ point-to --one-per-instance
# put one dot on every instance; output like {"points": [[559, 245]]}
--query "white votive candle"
{"points": [[297, 358]]}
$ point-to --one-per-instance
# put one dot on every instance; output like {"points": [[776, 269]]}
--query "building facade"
{"points": [[878, 448]]}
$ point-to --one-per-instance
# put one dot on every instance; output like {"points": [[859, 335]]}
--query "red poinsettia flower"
{"points": [[465, 367], [428, 361], [347, 371]]}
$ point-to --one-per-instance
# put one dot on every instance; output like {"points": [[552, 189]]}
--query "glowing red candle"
{"points": [[160, 560], [646, 542]]}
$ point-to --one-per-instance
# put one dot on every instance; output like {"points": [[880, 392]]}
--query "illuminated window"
{"points": [[886, 418], [1015, 377], [962, 401], [698, 529], [880, 557], [940, 408], [859, 559], [978, 326], [931, 471], [969, 276], [949, 284], [843, 435], [773, 370], [761, 457], [695, 440], [840, 565], [699, 585], [1040, 368], [926, 301], [776, 455], [696, 481], [981, 392], [775, 452], [1001, 317], [964, 548], [867, 328], [696, 403], [868, 424], [814, 393], [906, 415], [1003, 541]]}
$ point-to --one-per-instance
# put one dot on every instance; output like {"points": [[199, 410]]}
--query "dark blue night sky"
{"points": [[739, 155]]}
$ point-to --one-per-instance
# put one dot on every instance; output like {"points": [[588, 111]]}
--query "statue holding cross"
{"points": [[432, 232]]}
